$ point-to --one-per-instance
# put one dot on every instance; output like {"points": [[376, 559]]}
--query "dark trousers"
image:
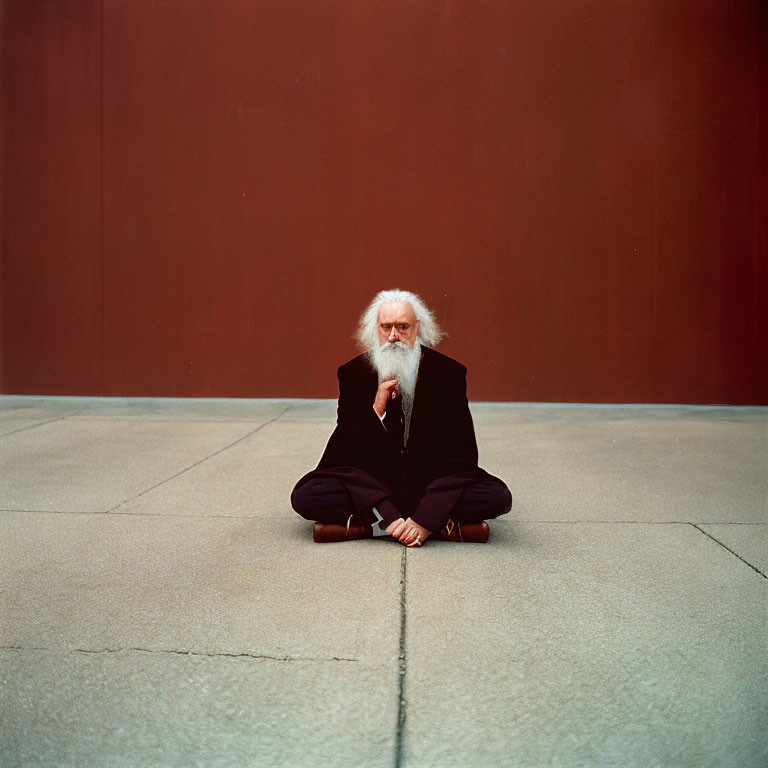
{"points": [[329, 499]]}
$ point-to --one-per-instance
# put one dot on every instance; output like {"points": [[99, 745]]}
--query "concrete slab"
{"points": [[201, 606], [521, 413], [252, 479], [691, 470], [91, 466], [203, 585], [747, 541], [11, 424], [129, 640], [183, 409], [17, 413], [311, 410], [129, 709], [585, 645]]}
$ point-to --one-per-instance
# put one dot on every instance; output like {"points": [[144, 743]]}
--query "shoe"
{"points": [[325, 533], [475, 533]]}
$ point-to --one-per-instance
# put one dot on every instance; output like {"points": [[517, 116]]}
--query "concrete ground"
{"points": [[161, 604]]}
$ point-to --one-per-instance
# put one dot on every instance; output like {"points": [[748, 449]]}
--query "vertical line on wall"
{"points": [[655, 240], [101, 195], [758, 192], [3, 218]]}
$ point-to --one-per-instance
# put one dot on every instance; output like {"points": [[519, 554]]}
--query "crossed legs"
{"points": [[328, 500]]}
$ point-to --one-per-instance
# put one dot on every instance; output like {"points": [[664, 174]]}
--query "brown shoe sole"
{"points": [[470, 533], [325, 533]]}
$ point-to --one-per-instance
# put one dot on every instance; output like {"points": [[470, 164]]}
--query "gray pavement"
{"points": [[161, 605]]}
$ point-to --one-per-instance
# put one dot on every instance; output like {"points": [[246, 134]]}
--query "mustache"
{"points": [[394, 347]]}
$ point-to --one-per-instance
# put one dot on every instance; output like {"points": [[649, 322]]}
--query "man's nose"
{"points": [[394, 335]]}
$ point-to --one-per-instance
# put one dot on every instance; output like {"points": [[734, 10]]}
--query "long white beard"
{"points": [[397, 360]]}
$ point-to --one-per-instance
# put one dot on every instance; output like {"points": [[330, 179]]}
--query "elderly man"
{"points": [[402, 461]]}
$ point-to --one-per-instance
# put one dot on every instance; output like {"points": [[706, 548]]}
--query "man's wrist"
{"points": [[388, 510], [415, 519]]}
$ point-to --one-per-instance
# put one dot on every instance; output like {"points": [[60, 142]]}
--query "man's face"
{"points": [[397, 322]]}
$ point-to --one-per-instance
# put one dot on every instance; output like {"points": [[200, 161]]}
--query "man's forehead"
{"points": [[394, 311]]}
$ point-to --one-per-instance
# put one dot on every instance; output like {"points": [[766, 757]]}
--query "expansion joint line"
{"points": [[401, 666], [43, 423], [735, 554], [205, 458]]}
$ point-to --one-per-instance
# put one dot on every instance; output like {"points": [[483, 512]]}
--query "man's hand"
{"points": [[394, 529], [387, 391], [408, 532]]}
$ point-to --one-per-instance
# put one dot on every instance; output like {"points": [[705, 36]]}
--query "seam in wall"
{"points": [[101, 201]]}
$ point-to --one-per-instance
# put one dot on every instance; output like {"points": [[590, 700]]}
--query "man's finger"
{"points": [[415, 536], [415, 539]]}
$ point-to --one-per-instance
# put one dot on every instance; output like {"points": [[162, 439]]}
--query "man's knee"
{"points": [[320, 497], [501, 500], [483, 501], [493, 498], [304, 499]]}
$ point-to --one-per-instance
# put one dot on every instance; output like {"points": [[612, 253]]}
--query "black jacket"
{"points": [[441, 442]]}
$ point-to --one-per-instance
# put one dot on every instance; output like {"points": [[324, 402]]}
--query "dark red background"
{"points": [[200, 197]]}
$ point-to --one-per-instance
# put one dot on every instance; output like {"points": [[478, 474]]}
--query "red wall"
{"points": [[200, 198]]}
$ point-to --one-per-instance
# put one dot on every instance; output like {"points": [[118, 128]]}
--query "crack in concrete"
{"points": [[535, 521], [197, 463], [42, 423], [278, 517], [220, 653], [735, 554], [152, 420], [178, 653], [135, 514], [22, 648], [402, 665]]}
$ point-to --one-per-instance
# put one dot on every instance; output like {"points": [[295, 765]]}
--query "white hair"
{"points": [[368, 333]]}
